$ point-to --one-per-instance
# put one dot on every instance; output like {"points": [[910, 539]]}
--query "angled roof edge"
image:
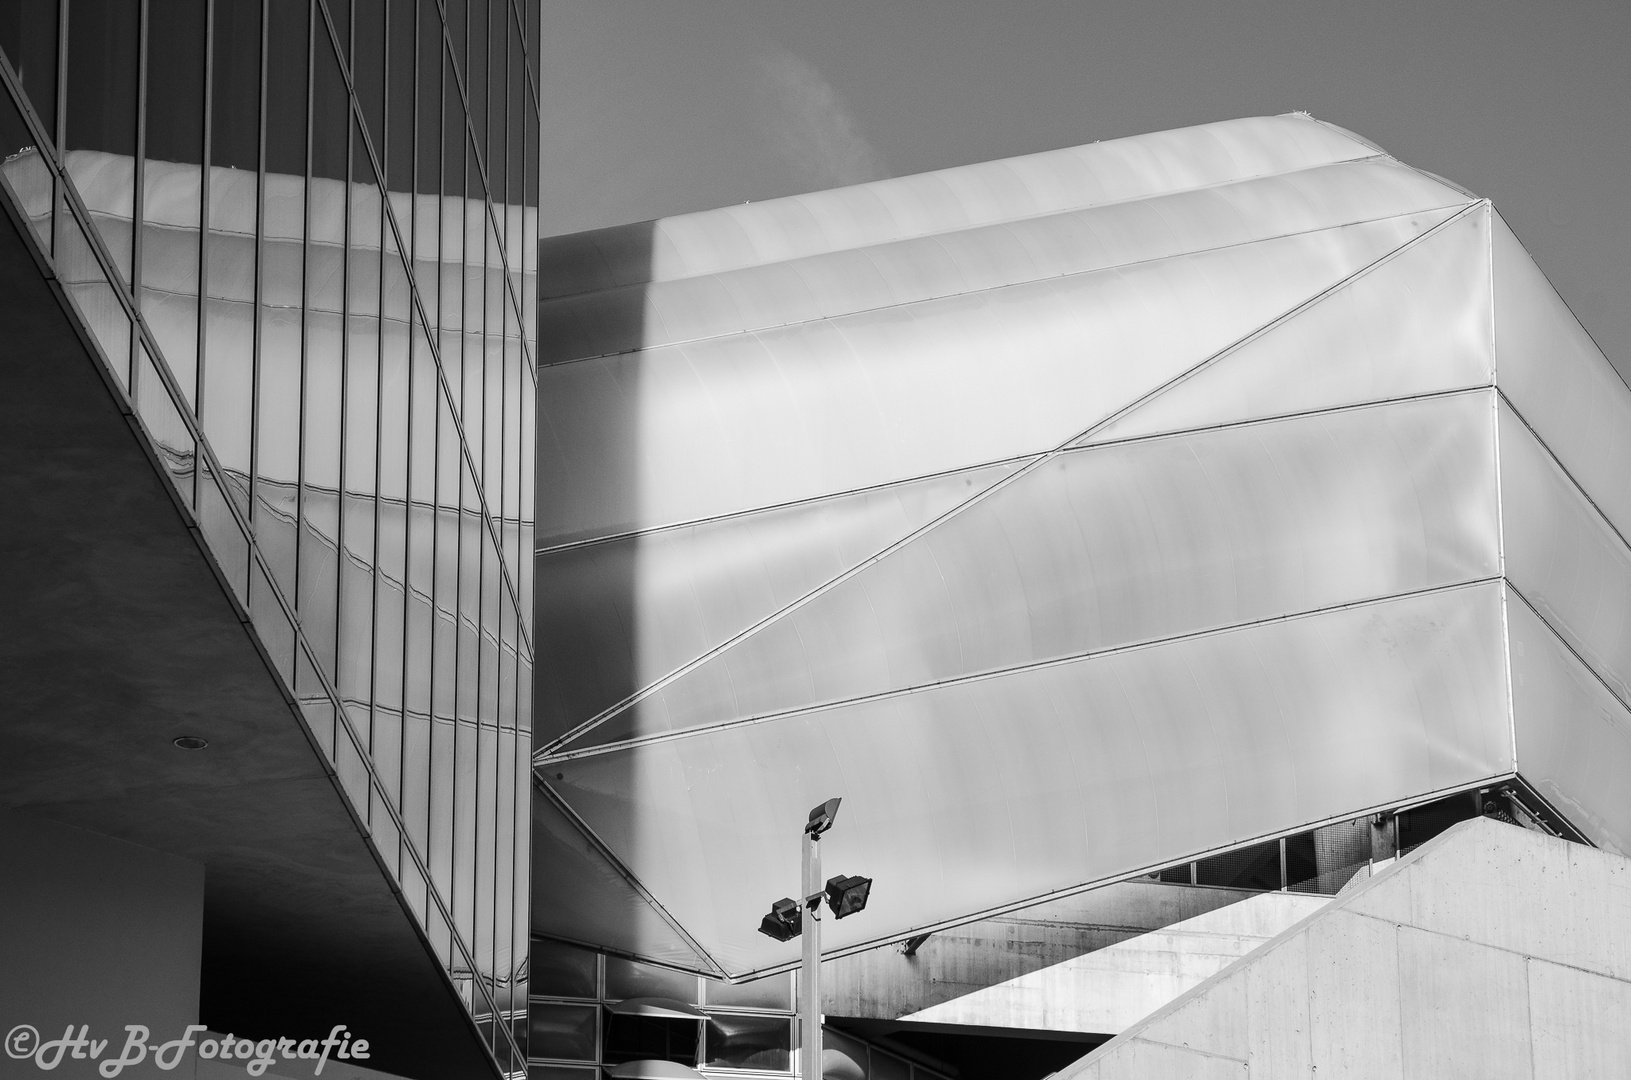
{"points": [[1052, 181]]}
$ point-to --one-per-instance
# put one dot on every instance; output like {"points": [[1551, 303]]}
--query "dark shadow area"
{"points": [[591, 288], [971, 1053]]}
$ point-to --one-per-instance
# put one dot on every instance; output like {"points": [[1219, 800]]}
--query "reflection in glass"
{"points": [[375, 460], [100, 134], [749, 1042], [630, 979], [563, 1032], [771, 992], [172, 187]]}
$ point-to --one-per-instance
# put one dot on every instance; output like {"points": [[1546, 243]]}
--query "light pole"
{"points": [[845, 896]]}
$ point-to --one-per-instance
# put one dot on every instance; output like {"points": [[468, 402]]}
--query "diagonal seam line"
{"points": [[634, 882], [541, 760], [1563, 641], [754, 331], [1002, 482], [962, 470]]}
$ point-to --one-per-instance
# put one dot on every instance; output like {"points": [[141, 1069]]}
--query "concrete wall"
{"points": [[94, 933], [1109, 990], [1490, 952], [886, 984]]}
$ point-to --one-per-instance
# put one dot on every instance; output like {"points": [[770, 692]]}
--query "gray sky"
{"points": [[656, 107]]}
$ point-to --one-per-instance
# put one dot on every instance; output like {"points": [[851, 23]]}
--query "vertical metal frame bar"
{"points": [[200, 342], [258, 289]]}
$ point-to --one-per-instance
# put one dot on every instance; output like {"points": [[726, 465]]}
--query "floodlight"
{"points": [[822, 816], [847, 895], [785, 921]]}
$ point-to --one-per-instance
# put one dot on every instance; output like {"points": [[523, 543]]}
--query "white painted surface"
{"points": [[1109, 990]]}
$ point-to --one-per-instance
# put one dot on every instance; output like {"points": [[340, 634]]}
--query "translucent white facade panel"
{"points": [[842, 282], [1415, 323], [1564, 558], [982, 793], [624, 613], [1067, 516], [1557, 378], [1135, 542], [789, 228], [1573, 735], [678, 433]]}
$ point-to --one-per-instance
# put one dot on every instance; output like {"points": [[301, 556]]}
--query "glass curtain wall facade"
{"points": [[301, 235]]}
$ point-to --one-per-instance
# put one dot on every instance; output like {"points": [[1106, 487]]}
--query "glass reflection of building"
{"points": [[302, 234]]}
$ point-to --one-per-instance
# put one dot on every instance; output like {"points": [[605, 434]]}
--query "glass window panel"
{"points": [[630, 978], [271, 621], [476, 81], [348, 763], [368, 67], [385, 750], [172, 185], [171, 437], [486, 847], [559, 1072], [453, 131], [228, 401], [317, 708], [533, 39], [445, 643], [428, 120], [26, 173], [413, 886], [469, 676], [561, 970], [331, 111], [498, 52], [100, 140], [387, 838], [771, 992], [750, 1042], [235, 95], [643, 1038], [226, 540], [441, 806], [85, 281], [457, 29], [277, 435], [356, 615], [28, 35], [1256, 867], [399, 96], [415, 794], [465, 758], [287, 25], [562, 1031], [515, 110]]}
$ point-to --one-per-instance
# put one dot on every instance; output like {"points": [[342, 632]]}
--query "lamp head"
{"points": [[785, 921], [821, 818], [847, 895]]}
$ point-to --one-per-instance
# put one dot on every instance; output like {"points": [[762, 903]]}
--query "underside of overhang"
{"points": [[119, 638]]}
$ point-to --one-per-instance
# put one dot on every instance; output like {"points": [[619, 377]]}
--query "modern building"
{"points": [[1146, 540], [1234, 505], [270, 346]]}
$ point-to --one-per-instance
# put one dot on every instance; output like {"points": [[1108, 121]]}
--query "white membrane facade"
{"points": [[1068, 516]]}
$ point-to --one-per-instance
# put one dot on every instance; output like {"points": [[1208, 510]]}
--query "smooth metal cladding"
{"points": [[303, 234], [1069, 516]]}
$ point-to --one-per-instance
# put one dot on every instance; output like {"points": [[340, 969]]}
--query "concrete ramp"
{"points": [[1488, 952], [1109, 990]]}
